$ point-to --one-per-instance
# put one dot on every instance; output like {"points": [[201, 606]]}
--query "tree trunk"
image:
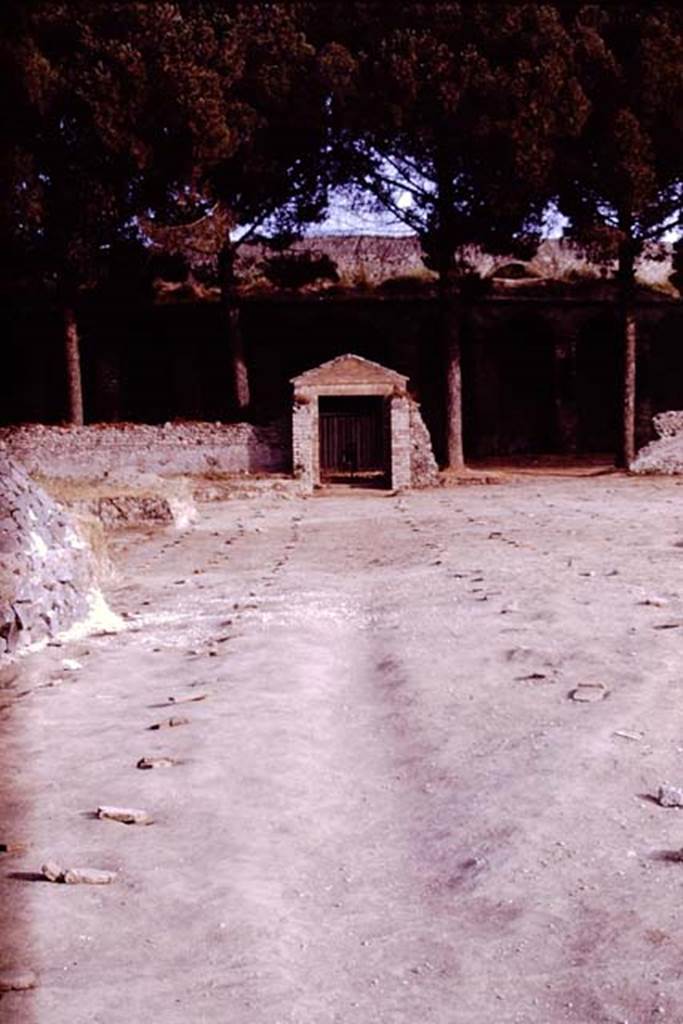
{"points": [[72, 358], [444, 241], [238, 363], [627, 450], [450, 313], [628, 440], [239, 374]]}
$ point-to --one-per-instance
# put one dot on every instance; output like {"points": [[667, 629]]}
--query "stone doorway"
{"points": [[354, 440], [352, 421]]}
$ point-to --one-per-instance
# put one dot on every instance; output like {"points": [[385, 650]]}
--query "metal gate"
{"points": [[353, 446]]}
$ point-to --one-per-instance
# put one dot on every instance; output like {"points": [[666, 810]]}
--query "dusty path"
{"points": [[387, 809]]}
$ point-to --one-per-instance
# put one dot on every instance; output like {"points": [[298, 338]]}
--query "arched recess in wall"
{"points": [[598, 374]]}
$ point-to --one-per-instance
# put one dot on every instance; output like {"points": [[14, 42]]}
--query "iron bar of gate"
{"points": [[352, 442]]}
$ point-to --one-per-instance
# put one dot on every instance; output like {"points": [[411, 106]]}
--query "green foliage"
{"points": [[458, 106], [71, 150], [118, 111], [481, 113], [233, 113], [620, 180]]}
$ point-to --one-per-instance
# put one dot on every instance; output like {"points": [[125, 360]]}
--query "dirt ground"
{"points": [[386, 809]]}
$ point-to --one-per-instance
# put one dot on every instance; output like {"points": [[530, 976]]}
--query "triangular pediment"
{"points": [[349, 369]]}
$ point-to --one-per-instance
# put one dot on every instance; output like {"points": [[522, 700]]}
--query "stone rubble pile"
{"points": [[664, 455], [47, 570], [129, 499]]}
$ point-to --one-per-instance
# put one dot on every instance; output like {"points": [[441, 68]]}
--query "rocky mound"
{"points": [[666, 454], [47, 570]]}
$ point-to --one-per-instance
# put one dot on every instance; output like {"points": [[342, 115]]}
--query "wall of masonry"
{"points": [[47, 570]]}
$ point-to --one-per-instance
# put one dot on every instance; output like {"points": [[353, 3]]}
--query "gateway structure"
{"points": [[354, 422]]}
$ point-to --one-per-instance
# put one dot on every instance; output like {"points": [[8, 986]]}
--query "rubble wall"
{"points": [[193, 448], [424, 471], [47, 570]]}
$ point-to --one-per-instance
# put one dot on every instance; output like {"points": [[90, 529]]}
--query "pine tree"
{"points": [[622, 179], [457, 108], [235, 121], [70, 155]]}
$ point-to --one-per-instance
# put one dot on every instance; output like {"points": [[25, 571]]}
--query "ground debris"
{"points": [[126, 815], [53, 872], [155, 762], [628, 734], [17, 981], [170, 723], [588, 693], [670, 796], [12, 847]]}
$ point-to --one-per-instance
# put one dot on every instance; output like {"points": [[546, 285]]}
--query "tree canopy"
{"points": [[459, 107], [467, 120], [620, 182], [450, 115]]}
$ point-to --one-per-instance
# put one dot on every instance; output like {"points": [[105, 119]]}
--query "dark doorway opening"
{"points": [[354, 441], [526, 410], [598, 373]]}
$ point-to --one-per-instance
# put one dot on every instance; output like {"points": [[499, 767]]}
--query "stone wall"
{"points": [[304, 433], [47, 570], [424, 471], [540, 373], [101, 451], [401, 442]]}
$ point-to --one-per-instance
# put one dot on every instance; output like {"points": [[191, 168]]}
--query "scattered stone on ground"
{"points": [[156, 762], [362, 750], [170, 723], [13, 847], [589, 693], [126, 815], [17, 981], [670, 796], [53, 872], [189, 699], [655, 602]]}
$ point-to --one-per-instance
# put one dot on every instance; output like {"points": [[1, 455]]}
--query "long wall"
{"points": [[116, 451], [539, 375]]}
